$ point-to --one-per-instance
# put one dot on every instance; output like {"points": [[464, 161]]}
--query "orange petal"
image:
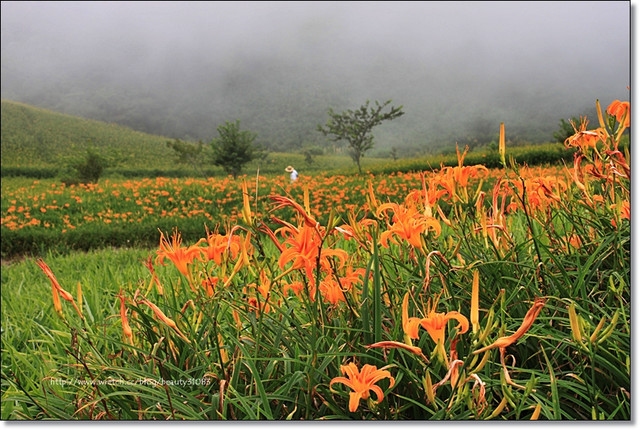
{"points": [[394, 344], [528, 320]]}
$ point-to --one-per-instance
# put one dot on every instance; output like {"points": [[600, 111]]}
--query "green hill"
{"points": [[34, 137], [37, 142]]}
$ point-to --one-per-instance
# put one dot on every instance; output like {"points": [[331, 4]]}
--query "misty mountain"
{"points": [[182, 69]]}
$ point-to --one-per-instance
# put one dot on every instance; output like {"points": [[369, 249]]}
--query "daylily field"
{"points": [[463, 293]]}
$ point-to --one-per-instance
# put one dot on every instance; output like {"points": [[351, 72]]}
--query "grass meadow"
{"points": [[458, 293]]}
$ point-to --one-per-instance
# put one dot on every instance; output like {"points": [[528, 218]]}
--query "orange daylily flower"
{"points": [[285, 201], [305, 245], [331, 291], [162, 317], [57, 289], [393, 344], [361, 382], [410, 326], [584, 138], [457, 178], [407, 223], [352, 276], [260, 294], [209, 284], [154, 278], [621, 110], [297, 288], [180, 256], [219, 246], [435, 322], [625, 212], [527, 322], [126, 328]]}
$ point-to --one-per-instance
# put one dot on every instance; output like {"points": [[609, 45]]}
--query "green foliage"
{"points": [[234, 148], [189, 153], [87, 169], [534, 155], [355, 127], [309, 152]]}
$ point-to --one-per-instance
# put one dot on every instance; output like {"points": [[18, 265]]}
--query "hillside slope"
{"points": [[35, 137], [37, 142]]}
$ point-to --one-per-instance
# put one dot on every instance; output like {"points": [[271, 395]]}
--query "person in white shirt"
{"points": [[294, 173]]}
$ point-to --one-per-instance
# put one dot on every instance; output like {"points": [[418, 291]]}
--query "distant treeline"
{"points": [[37, 143], [533, 155]]}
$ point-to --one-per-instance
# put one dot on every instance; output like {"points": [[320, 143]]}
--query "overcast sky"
{"points": [[441, 51], [502, 35]]}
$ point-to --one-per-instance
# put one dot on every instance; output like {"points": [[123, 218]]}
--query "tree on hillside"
{"points": [[188, 153], [355, 127], [89, 167], [234, 148]]}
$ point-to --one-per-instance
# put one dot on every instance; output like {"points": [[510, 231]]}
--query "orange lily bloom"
{"points": [[331, 291], [527, 322], [180, 256], [408, 224], [265, 284], [304, 246], [361, 382], [625, 212], [621, 110], [457, 178], [219, 246], [352, 277], [584, 138], [297, 288], [410, 326], [126, 328], [285, 201], [393, 344], [168, 321], [154, 278], [57, 289], [209, 284], [435, 322]]}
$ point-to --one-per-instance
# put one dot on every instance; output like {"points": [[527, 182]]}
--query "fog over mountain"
{"points": [[180, 69]]}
